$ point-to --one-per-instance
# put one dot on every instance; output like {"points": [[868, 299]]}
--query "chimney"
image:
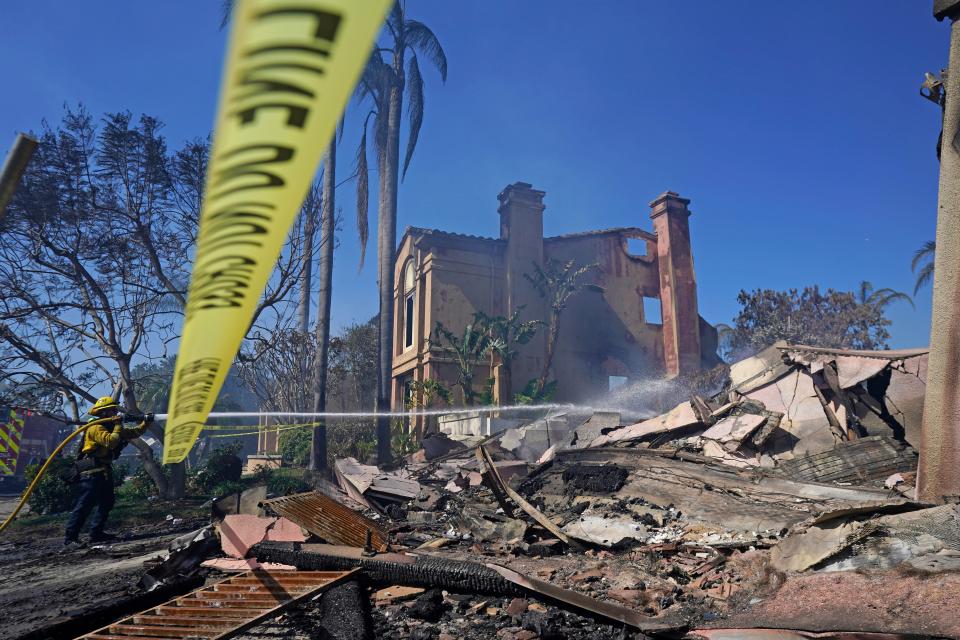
{"points": [[678, 284], [521, 225]]}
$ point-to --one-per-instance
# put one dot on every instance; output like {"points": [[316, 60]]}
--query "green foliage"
{"points": [[141, 485], [427, 393], [351, 440], [532, 394], [557, 283], [261, 474], [352, 368], [486, 396], [363, 449], [223, 465], [402, 441], [52, 495], [295, 446], [486, 337], [831, 319], [284, 481], [120, 471], [227, 487], [466, 351]]}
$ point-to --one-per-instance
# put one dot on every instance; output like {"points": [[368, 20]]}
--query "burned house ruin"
{"points": [[605, 339]]}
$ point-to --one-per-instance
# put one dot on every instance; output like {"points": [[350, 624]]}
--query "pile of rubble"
{"points": [[785, 503]]}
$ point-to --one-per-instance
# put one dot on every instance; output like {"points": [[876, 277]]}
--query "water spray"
{"points": [[392, 414]]}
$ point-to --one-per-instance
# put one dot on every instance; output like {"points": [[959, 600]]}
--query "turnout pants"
{"points": [[96, 494]]}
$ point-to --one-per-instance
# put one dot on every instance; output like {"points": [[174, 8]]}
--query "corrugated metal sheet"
{"points": [[327, 518]]}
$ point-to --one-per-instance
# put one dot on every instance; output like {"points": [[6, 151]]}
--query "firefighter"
{"points": [[102, 444]]}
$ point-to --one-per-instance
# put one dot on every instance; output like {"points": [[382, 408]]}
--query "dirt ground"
{"points": [[42, 586]]}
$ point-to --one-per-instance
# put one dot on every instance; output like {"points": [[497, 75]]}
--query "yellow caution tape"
{"points": [[291, 67]]}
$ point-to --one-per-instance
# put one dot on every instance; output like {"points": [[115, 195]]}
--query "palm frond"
{"points": [[226, 10], [866, 291], [414, 110], [924, 260], [928, 250], [363, 195], [420, 38], [924, 277], [883, 297], [395, 20], [375, 81]]}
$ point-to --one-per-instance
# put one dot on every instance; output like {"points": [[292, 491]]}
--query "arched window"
{"points": [[409, 290]]}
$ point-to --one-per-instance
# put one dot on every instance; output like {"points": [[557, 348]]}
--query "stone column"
{"points": [[938, 477], [678, 285]]}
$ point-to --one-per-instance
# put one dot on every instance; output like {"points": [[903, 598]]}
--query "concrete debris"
{"points": [[247, 502], [240, 532]]}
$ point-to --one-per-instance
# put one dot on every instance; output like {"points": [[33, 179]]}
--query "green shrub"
{"points": [[261, 474], [285, 481], [295, 446], [141, 485], [120, 471], [351, 439], [52, 495], [227, 487], [223, 465], [403, 441]]}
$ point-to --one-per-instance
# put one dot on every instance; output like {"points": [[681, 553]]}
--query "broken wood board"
{"points": [[528, 508]]}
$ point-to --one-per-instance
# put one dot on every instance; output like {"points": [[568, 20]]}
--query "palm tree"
{"points": [[880, 298], [503, 336], [466, 351], [391, 71], [557, 282], [318, 448], [923, 258]]}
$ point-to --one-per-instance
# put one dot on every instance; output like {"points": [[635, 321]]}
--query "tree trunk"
{"points": [[303, 307], [552, 334], [386, 250], [318, 449], [175, 488]]}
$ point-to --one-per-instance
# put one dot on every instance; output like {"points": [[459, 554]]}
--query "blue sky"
{"points": [[796, 130]]}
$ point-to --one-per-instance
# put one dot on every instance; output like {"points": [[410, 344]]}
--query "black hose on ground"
{"points": [[458, 576]]}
